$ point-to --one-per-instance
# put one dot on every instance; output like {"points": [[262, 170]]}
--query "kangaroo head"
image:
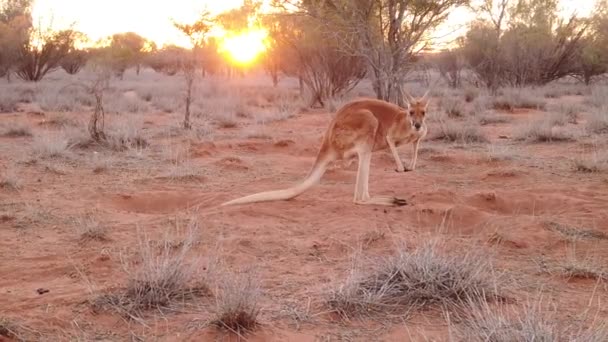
{"points": [[417, 108]]}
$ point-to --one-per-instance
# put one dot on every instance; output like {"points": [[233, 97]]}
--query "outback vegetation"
{"points": [[115, 154]]}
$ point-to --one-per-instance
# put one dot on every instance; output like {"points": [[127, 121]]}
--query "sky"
{"points": [[152, 18]]}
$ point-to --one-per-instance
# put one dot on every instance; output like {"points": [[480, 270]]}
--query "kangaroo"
{"points": [[359, 128]]}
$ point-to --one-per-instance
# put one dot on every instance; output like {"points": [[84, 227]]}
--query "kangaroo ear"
{"points": [[425, 97], [408, 98]]}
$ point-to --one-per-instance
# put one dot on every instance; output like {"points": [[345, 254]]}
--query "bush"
{"points": [[411, 280]]}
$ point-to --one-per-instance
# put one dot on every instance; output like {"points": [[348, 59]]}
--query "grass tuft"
{"points": [[413, 280], [237, 303], [157, 280], [543, 131], [89, 228], [9, 180], [15, 130], [468, 132], [50, 145], [575, 233], [532, 324]]}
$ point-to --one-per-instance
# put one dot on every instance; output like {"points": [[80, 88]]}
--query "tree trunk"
{"points": [[189, 82]]}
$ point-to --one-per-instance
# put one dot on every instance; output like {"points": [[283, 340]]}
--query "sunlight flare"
{"points": [[244, 48]]}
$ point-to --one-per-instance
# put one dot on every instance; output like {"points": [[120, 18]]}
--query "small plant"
{"points": [[454, 107], [9, 180], [563, 114], [494, 118], [50, 145], [237, 303], [468, 132], [592, 164], [15, 130], [514, 99], [597, 123], [159, 278], [89, 228], [574, 266], [126, 134], [575, 233], [482, 324], [415, 279], [470, 95], [543, 131]]}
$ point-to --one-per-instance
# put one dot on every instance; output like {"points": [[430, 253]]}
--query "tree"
{"points": [[197, 33], [522, 42], [593, 53], [299, 48], [76, 58], [127, 50], [74, 61], [43, 52], [388, 34], [15, 23], [450, 64]]}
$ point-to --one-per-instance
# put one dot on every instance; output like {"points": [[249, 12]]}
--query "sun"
{"points": [[243, 48]]}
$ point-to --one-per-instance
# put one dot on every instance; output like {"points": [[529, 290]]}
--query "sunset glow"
{"points": [[152, 20], [245, 47]]}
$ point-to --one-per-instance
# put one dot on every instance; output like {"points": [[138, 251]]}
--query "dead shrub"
{"points": [[417, 279], [453, 107], [50, 145], [518, 99], [532, 324], [494, 118], [597, 123], [88, 227], [15, 130], [575, 233], [543, 130], [574, 266], [159, 278], [9, 180], [465, 133], [596, 162], [237, 303]]}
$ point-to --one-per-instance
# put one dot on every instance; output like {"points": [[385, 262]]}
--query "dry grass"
{"points": [[16, 331], [565, 113], [594, 163], [575, 233], [454, 107], [51, 145], [532, 324], [499, 153], [237, 303], [15, 130], [467, 132], [125, 134], [543, 131], [88, 227], [574, 266], [417, 279], [494, 118], [512, 99], [597, 122], [470, 94], [161, 277], [181, 166], [9, 180], [598, 97]]}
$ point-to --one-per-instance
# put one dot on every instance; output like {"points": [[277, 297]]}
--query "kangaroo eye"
{"points": [[411, 112], [423, 112]]}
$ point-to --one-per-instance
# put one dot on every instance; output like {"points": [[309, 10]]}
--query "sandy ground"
{"points": [[298, 249]]}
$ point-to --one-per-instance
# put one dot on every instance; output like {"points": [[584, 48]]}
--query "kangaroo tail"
{"points": [[313, 178]]}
